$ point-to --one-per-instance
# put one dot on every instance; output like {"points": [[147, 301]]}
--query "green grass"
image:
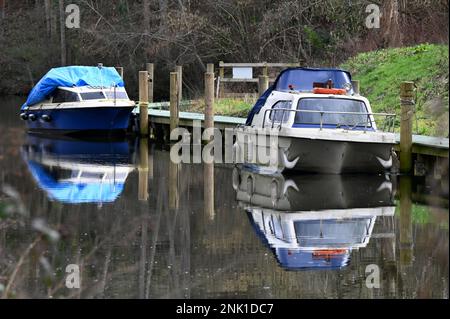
{"points": [[225, 106], [380, 73]]}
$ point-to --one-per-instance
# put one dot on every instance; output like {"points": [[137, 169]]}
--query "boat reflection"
{"points": [[314, 221], [79, 171]]}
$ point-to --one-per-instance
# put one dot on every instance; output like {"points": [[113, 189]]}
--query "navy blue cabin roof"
{"points": [[301, 79]]}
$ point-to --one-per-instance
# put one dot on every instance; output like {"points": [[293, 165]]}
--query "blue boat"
{"points": [[78, 99], [74, 171]]}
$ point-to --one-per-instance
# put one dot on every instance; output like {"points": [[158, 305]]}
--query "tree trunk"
{"points": [[146, 21], [62, 30], [47, 6], [2, 9]]}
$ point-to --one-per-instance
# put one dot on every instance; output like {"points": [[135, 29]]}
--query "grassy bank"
{"points": [[380, 73]]}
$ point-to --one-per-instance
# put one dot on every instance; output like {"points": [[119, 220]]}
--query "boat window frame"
{"points": [[285, 117], [66, 93], [93, 92], [298, 111]]}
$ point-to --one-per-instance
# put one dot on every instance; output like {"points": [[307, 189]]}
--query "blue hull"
{"points": [[81, 119]]}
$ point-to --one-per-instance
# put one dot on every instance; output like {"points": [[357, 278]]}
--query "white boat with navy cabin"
{"points": [[322, 125]]}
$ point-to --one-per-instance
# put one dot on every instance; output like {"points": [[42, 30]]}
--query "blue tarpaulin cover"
{"points": [[301, 79], [75, 193], [70, 76]]}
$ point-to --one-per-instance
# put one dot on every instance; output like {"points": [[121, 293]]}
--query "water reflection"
{"points": [[79, 171], [314, 221]]}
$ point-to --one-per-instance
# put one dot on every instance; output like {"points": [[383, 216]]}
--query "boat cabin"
{"points": [[313, 98], [88, 93]]}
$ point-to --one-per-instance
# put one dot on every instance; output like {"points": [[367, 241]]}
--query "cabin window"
{"points": [[277, 114], [62, 96], [332, 105], [96, 95], [332, 232], [121, 95]]}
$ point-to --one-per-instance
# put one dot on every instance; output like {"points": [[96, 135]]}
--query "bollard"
{"points": [[406, 122], [263, 84], [143, 103], [150, 70], [173, 106]]}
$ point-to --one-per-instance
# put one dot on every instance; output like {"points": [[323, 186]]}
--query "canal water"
{"points": [[131, 224]]}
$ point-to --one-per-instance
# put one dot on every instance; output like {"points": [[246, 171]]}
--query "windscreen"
{"points": [[332, 105]]}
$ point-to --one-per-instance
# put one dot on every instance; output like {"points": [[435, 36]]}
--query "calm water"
{"points": [[140, 227]]}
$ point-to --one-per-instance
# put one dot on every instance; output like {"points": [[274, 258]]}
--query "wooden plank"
{"points": [[257, 65], [255, 80]]}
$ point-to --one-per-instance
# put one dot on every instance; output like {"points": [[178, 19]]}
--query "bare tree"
{"points": [[62, 31]]}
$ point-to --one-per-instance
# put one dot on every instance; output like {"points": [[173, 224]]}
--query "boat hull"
{"points": [[322, 156], [80, 119]]}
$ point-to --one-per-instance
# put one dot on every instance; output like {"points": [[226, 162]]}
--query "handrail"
{"points": [[390, 125]]}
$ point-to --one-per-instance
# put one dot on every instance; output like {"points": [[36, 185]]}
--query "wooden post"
{"points": [[143, 169], [210, 68], [221, 76], [209, 100], [406, 123], [406, 239], [143, 102], [208, 190], [173, 107], [120, 71], [150, 70], [179, 70], [265, 69], [208, 168], [174, 196], [263, 84], [355, 86]]}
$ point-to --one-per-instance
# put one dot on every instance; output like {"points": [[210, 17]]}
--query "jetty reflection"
{"points": [[314, 221], [76, 171]]}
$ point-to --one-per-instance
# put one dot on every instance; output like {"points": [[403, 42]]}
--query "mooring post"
{"points": [[208, 168], [173, 106], [263, 84], [174, 195], [143, 169], [355, 86], [221, 76], [120, 71], [143, 102], [150, 70], [210, 68], [179, 70], [406, 124], [209, 100], [406, 238], [265, 69]]}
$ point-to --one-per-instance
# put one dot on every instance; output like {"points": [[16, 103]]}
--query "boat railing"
{"points": [[387, 126]]}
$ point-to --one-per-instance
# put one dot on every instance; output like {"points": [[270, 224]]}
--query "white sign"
{"points": [[242, 73]]}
